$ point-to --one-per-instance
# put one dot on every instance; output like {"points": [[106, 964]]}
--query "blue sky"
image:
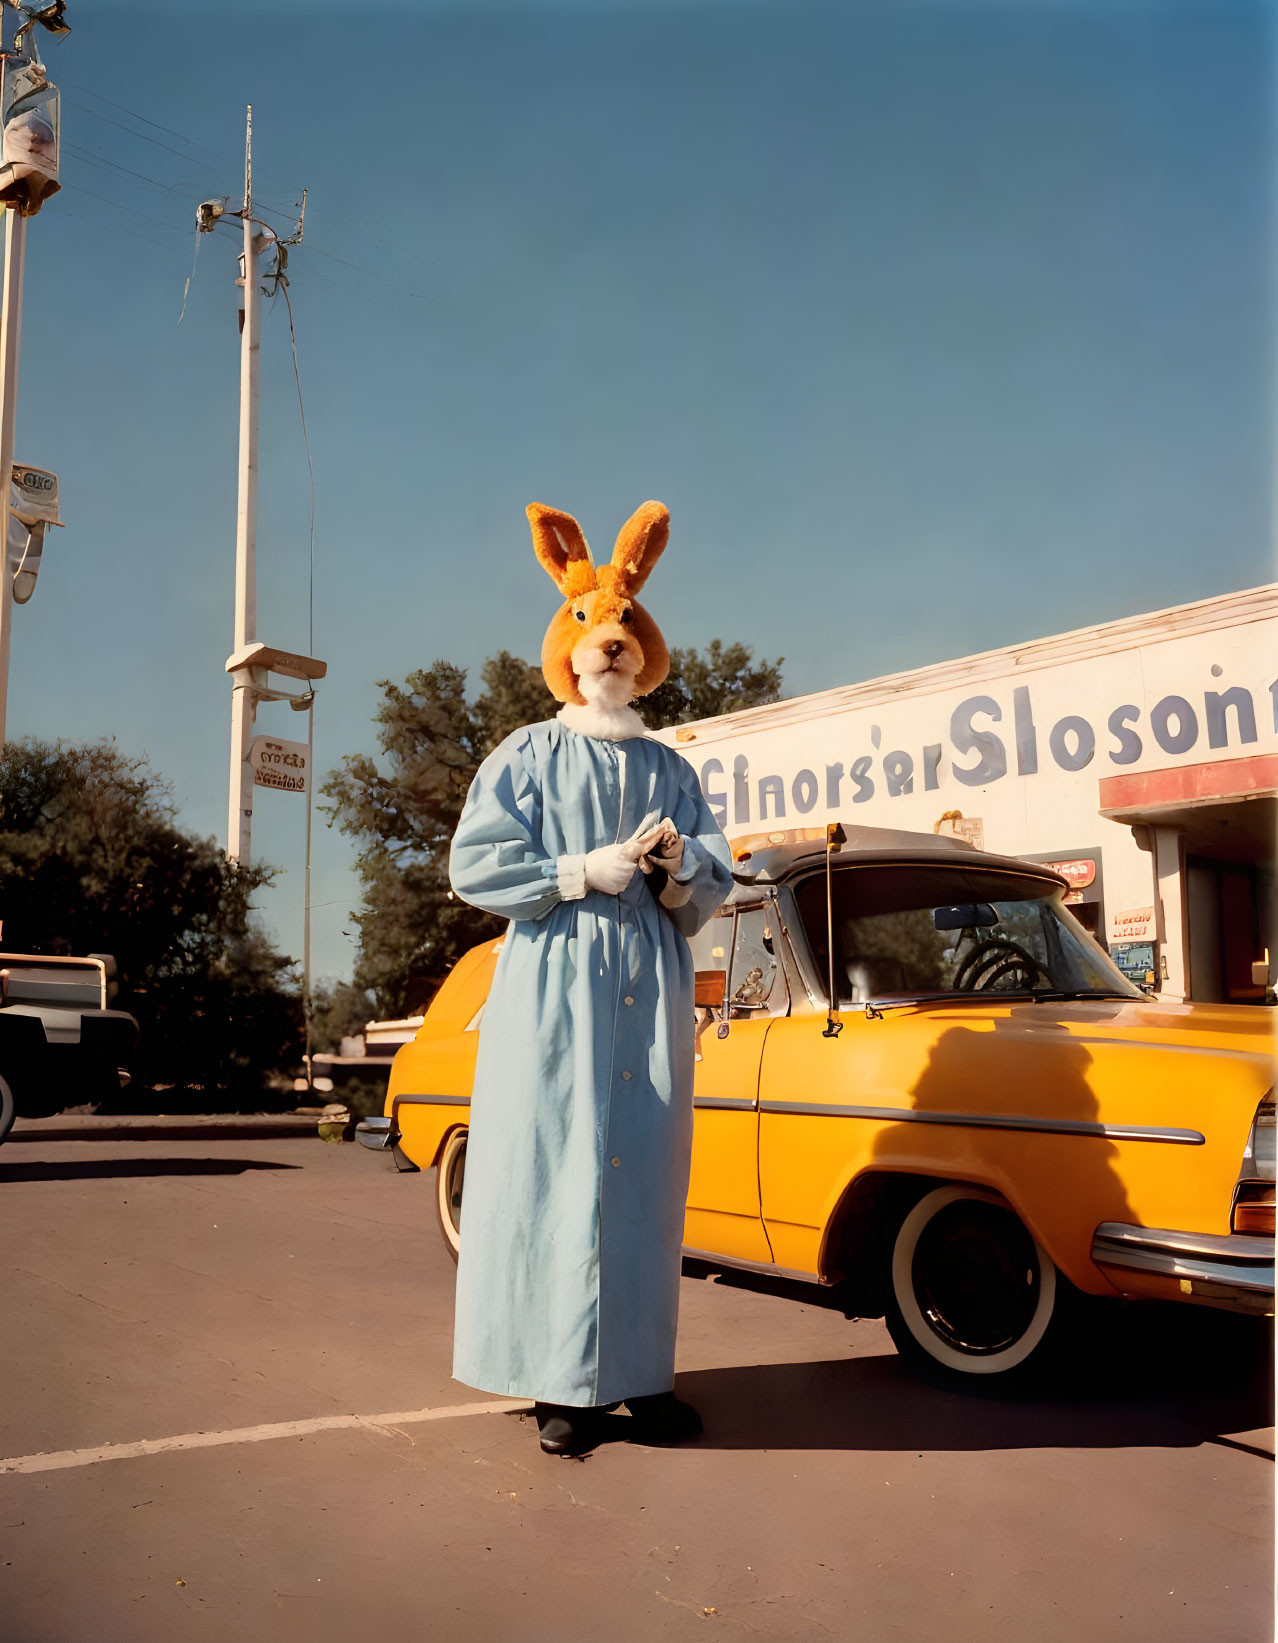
{"points": [[937, 326]]}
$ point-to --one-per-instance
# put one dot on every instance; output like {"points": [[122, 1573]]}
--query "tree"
{"points": [[404, 808], [92, 860], [339, 1010], [724, 680]]}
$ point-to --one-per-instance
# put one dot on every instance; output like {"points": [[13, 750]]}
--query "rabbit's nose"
{"points": [[613, 648]]}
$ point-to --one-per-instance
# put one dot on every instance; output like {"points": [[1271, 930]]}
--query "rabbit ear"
{"points": [[559, 544], [640, 544]]}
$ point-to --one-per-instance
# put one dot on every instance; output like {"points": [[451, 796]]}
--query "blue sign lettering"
{"points": [[993, 757], [1229, 717], [1084, 742]]}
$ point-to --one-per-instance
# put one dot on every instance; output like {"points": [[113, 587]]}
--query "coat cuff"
{"points": [[689, 865], [675, 894], [571, 873]]}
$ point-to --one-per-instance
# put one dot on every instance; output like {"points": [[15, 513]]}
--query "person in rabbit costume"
{"points": [[596, 843]]}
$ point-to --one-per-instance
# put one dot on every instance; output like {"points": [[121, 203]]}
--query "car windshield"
{"points": [[922, 929]]}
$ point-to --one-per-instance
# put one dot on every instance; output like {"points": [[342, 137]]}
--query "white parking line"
{"points": [[59, 1459]]}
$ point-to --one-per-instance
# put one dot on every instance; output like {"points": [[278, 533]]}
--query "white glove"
{"points": [[612, 867]]}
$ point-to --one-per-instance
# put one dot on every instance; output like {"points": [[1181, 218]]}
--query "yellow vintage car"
{"points": [[991, 1123]]}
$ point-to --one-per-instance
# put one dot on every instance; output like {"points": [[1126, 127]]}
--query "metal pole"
{"points": [[306, 910], [15, 247], [243, 695]]}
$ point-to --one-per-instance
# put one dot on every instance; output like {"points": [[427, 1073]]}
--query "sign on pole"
{"points": [[283, 765], [33, 507]]}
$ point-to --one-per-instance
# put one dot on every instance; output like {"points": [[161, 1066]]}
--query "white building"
{"points": [[1140, 757]]}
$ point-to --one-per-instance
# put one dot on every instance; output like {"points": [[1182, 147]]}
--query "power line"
{"points": [[133, 113], [282, 285], [97, 227], [365, 233], [171, 227], [181, 188], [101, 159], [116, 205], [141, 137]]}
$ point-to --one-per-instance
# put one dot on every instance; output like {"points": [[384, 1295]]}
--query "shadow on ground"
{"points": [[112, 1169], [1151, 1377]]}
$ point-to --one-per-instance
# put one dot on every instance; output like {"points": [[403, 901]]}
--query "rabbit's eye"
{"points": [[626, 617], [580, 615]]}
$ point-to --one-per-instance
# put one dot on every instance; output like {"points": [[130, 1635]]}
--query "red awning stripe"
{"points": [[1186, 783]]}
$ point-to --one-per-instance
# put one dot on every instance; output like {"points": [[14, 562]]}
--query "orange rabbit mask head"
{"points": [[602, 646]]}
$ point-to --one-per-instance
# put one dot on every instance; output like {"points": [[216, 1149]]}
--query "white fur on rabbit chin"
{"points": [[607, 715]]}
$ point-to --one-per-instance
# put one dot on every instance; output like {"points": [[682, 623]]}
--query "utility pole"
{"points": [[246, 681], [262, 761], [15, 248], [307, 1008], [31, 118]]}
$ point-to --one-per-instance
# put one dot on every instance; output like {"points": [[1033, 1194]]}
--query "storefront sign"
{"points": [[1078, 874], [1136, 924], [738, 791], [283, 765], [1064, 714]]}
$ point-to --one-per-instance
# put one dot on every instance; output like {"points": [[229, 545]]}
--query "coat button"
{"points": [[627, 999], [616, 1163], [626, 1076]]}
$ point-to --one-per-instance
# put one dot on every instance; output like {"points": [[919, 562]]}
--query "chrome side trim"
{"points": [[723, 1103], [767, 1269], [433, 1100], [991, 1121]]}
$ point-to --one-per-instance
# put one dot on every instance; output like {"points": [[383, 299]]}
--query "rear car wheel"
{"points": [[8, 1108], [973, 1298], [450, 1178]]}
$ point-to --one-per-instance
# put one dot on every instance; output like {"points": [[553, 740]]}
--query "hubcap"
{"points": [[976, 1277]]}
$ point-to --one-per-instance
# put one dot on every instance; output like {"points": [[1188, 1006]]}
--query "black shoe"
{"points": [[565, 1429], [663, 1418]]}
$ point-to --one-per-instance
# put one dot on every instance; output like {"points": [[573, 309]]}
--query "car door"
{"points": [[723, 1216]]}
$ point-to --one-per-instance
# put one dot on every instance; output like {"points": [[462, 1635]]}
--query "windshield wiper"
{"points": [[1067, 995], [874, 1007]]}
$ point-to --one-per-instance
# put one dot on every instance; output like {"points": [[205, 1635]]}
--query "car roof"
{"points": [[885, 846]]}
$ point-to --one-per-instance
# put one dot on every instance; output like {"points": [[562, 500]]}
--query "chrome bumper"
{"points": [[1234, 1272], [378, 1133]]}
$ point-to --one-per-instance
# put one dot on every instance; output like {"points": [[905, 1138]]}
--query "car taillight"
{"points": [[1254, 1193]]}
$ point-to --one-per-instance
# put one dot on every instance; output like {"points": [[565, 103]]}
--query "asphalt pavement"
{"points": [[227, 1414]]}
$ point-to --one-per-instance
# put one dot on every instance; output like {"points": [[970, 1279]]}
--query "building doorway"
{"points": [[1227, 928]]}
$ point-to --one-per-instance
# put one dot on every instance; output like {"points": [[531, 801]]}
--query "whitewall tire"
{"points": [[972, 1295], [8, 1108], [450, 1178]]}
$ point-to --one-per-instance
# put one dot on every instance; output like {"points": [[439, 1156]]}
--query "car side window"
{"points": [[754, 960], [711, 944]]}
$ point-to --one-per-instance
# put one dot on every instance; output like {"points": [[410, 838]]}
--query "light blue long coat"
{"points": [[581, 1116]]}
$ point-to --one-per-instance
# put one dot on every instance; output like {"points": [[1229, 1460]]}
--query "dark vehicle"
{"points": [[59, 1043]]}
